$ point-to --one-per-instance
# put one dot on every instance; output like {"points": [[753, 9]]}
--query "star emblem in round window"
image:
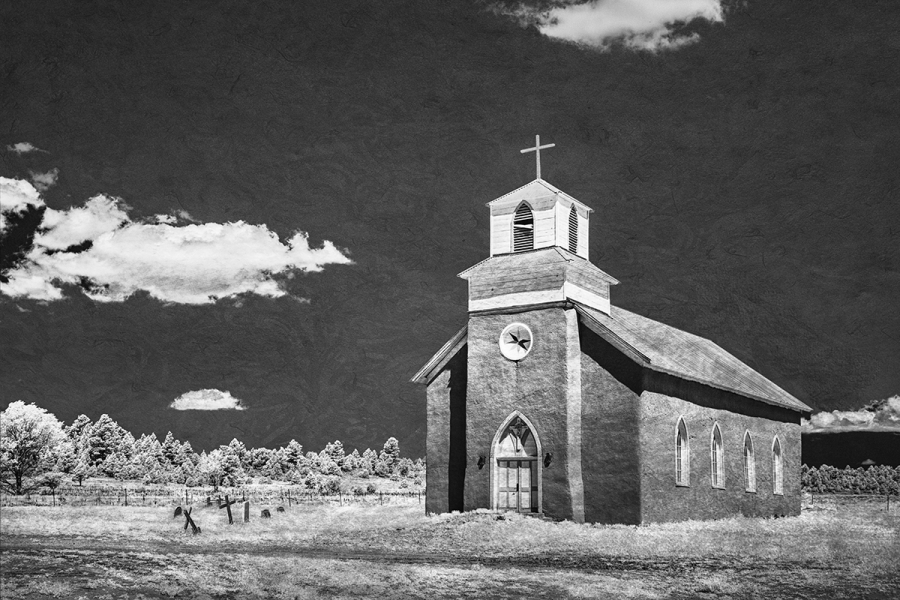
{"points": [[516, 341]]}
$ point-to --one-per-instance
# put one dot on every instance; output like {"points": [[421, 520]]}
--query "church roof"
{"points": [[537, 189], [659, 347], [531, 261], [669, 350]]}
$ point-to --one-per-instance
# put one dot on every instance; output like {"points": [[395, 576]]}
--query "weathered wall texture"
{"points": [[445, 437], [581, 393], [662, 500], [536, 386], [610, 454]]}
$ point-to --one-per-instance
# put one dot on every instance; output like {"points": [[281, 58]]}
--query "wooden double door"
{"points": [[517, 484]]}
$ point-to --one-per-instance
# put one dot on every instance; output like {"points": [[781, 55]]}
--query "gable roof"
{"points": [[441, 357], [658, 347], [538, 189], [666, 349]]}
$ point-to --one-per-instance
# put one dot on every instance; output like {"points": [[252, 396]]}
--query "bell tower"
{"points": [[538, 253], [538, 215]]}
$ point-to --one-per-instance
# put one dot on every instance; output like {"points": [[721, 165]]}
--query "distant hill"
{"points": [[851, 448]]}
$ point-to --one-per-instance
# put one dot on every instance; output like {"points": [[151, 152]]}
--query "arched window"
{"points": [[573, 230], [749, 464], [777, 468], [682, 455], [717, 459], [523, 229]]}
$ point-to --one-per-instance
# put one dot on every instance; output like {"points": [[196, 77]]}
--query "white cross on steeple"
{"points": [[537, 152]]}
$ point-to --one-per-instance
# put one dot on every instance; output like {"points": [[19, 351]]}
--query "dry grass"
{"points": [[146, 553], [820, 536]]}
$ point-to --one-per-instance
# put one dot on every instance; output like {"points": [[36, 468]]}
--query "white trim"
{"points": [[540, 459], [590, 299], [567, 291], [517, 299]]}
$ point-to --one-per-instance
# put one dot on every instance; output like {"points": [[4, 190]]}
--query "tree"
{"points": [[258, 459], [211, 469], [335, 450], [116, 465], [29, 441], [170, 449], [403, 467], [77, 429], [292, 455], [232, 472], [391, 452], [275, 467], [237, 448], [351, 461], [105, 437], [368, 460], [82, 468]]}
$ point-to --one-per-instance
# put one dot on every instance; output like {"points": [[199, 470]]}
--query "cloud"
{"points": [[16, 196], [23, 148], [100, 248], [211, 399], [638, 24], [879, 415], [44, 181]]}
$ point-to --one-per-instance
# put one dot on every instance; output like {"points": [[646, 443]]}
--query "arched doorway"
{"points": [[516, 466]]}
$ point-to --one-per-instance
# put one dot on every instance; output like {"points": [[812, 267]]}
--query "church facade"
{"points": [[553, 401]]}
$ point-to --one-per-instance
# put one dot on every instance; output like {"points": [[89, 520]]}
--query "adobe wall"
{"points": [[445, 437], [537, 386], [610, 410], [662, 500]]}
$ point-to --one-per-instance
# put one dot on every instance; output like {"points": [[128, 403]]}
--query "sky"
{"points": [[245, 219]]}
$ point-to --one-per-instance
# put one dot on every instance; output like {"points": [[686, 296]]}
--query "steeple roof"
{"points": [[535, 190]]}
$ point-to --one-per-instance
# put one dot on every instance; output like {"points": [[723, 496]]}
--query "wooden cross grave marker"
{"points": [[537, 152], [227, 506], [189, 521]]}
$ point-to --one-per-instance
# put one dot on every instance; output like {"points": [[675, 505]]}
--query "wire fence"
{"points": [[160, 496], [882, 502]]}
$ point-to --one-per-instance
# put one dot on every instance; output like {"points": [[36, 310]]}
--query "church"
{"points": [[551, 400]]}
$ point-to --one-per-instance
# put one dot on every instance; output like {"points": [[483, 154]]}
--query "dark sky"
{"points": [[746, 189]]}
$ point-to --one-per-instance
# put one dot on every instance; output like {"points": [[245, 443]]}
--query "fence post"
{"points": [[381, 497], [126, 496]]}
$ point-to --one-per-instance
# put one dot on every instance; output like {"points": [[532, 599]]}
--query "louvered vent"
{"points": [[523, 229], [573, 230]]}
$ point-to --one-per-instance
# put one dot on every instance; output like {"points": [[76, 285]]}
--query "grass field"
{"points": [[395, 551]]}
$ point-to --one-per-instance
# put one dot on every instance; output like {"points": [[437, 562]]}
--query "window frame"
{"points": [[515, 224], [716, 458], [682, 454], [749, 463], [777, 467], [573, 230]]}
